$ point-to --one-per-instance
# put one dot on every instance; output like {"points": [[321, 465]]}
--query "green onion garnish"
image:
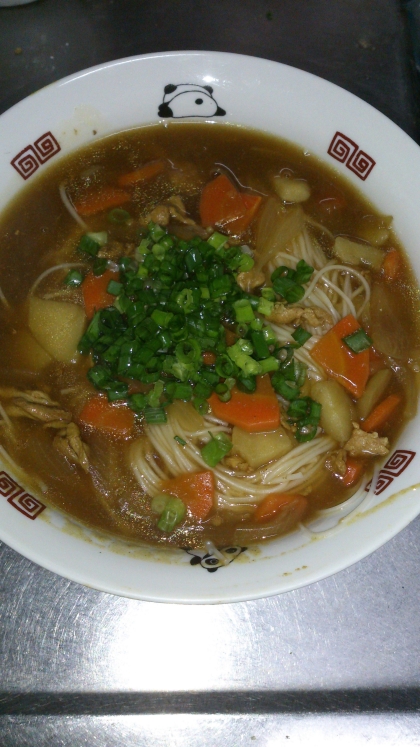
{"points": [[301, 336], [180, 440], [214, 451], [172, 514], [288, 283], [88, 245], [358, 341], [74, 278]]}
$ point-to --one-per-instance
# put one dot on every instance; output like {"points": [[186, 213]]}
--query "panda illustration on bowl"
{"points": [[189, 100]]}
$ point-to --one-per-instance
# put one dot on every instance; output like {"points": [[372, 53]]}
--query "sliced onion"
{"points": [[277, 227]]}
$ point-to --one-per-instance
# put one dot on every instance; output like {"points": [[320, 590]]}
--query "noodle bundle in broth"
{"points": [[207, 336]]}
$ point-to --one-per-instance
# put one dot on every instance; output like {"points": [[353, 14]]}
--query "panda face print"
{"points": [[189, 100]]}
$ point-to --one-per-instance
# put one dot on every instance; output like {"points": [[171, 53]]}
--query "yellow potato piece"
{"points": [[337, 413], [259, 448], [57, 326]]}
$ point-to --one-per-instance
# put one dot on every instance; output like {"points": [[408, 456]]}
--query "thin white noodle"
{"points": [[4, 300], [212, 550], [6, 456], [70, 207], [63, 266], [292, 469], [5, 417]]}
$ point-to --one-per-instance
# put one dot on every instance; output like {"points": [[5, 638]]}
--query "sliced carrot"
{"points": [[275, 503], [252, 203], [353, 471], [195, 489], [392, 264], [209, 358], [104, 199], [350, 369], [255, 412], [95, 294], [143, 174], [222, 205], [381, 413], [115, 419]]}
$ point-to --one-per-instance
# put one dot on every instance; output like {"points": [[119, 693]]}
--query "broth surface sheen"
{"points": [[207, 336]]}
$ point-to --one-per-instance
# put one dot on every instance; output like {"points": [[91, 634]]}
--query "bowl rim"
{"points": [[229, 593]]}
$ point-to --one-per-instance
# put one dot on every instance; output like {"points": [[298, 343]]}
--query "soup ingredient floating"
{"points": [[166, 323], [219, 355]]}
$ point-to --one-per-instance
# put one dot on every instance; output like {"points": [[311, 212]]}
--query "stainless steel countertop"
{"points": [[337, 660]]}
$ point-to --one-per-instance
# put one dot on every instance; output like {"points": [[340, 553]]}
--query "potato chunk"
{"points": [[259, 448], [357, 254], [337, 409], [57, 326]]}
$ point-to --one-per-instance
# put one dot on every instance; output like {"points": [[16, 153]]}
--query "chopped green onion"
{"points": [[268, 294], [74, 278], [246, 263], [159, 502], [154, 415], [243, 311], [156, 231], [201, 405], [114, 288], [158, 251], [162, 318], [265, 307], [269, 364], [301, 336], [214, 451], [89, 246], [172, 514], [217, 240], [180, 440], [358, 341], [99, 266]]}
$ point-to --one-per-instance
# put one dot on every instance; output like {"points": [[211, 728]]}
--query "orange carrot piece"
{"points": [[143, 174], [209, 358], [94, 289], [222, 205], [353, 472], [381, 413], [275, 503], [350, 369], [255, 412], [115, 419], [103, 199], [195, 489], [391, 264], [252, 203]]}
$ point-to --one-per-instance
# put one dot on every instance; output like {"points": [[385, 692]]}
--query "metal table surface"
{"points": [[338, 660]]}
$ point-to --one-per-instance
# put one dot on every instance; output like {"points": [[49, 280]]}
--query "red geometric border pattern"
{"points": [[345, 150], [18, 498], [394, 467], [34, 155]]}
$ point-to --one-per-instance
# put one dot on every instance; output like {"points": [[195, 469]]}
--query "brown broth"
{"points": [[37, 232]]}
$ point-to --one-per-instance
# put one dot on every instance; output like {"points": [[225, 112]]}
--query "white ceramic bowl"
{"points": [[362, 145]]}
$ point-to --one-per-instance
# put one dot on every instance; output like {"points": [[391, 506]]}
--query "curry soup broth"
{"points": [[37, 232]]}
